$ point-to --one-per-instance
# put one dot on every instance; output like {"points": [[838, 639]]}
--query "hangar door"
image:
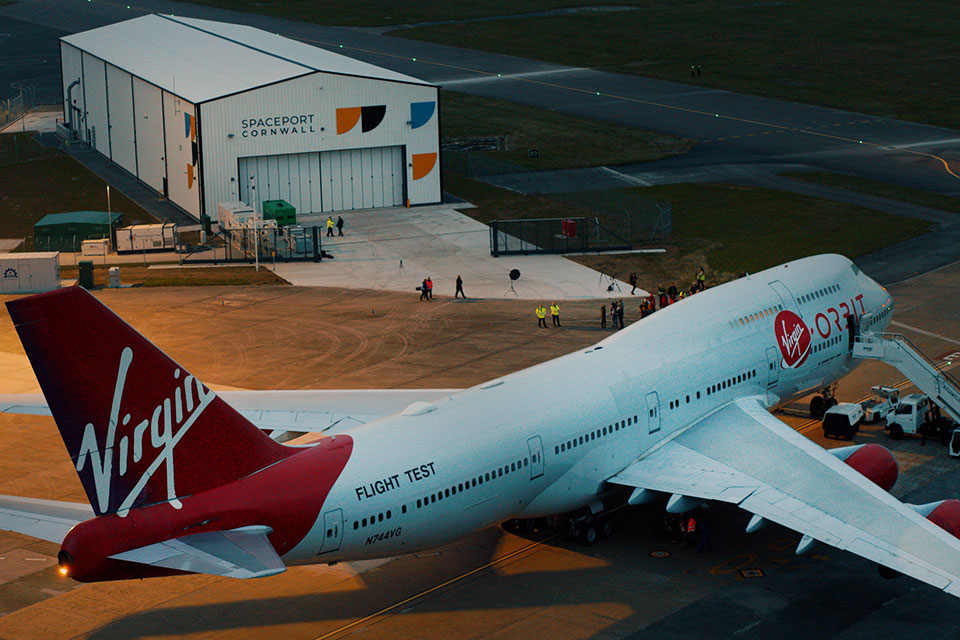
{"points": [[326, 181]]}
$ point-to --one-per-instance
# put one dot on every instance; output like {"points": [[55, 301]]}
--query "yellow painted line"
{"points": [[723, 138], [735, 137], [439, 586], [751, 134]]}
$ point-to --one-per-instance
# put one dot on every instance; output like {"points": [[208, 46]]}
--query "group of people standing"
{"points": [[542, 315], [426, 288], [616, 314], [663, 297]]}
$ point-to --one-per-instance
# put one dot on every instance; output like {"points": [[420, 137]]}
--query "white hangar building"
{"points": [[207, 112]]}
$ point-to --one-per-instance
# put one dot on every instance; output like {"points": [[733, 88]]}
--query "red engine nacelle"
{"points": [[873, 461], [947, 517]]}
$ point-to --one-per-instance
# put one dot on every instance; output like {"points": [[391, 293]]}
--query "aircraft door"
{"points": [[773, 366], [332, 531], [789, 302], [536, 456], [853, 330], [653, 412]]}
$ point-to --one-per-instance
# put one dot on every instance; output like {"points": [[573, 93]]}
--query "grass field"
{"points": [[727, 229], [365, 13], [51, 183], [179, 277], [884, 57], [563, 141], [880, 189]]}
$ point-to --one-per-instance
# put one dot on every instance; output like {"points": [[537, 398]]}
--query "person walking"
{"points": [[633, 282], [329, 227], [541, 316], [620, 313], [339, 225], [459, 288], [423, 290], [555, 312], [429, 288], [603, 316]]}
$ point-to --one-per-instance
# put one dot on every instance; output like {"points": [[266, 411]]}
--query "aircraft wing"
{"points": [[743, 455], [309, 411], [236, 553], [44, 519]]}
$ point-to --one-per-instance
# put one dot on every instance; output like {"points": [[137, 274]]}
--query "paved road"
{"points": [[733, 129]]}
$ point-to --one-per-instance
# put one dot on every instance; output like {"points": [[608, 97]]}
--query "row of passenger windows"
{"points": [[466, 485], [377, 517], [460, 487], [593, 435], [729, 382], [880, 316], [827, 343], [819, 293], [760, 315]]}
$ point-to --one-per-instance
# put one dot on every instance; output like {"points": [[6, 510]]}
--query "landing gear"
{"points": [[820, 403], [587, 529]]}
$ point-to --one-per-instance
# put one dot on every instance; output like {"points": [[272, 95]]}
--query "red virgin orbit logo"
{"points": [[793, 338]]}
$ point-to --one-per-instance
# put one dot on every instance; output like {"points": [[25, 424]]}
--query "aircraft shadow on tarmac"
{"points": [[687, 595]]}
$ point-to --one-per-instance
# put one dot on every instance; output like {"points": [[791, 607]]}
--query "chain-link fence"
{"points": [[292, 243], [552, 235], [637, 219]]}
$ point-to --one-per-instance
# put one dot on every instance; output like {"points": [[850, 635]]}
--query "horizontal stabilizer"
{"points": [[44, 519], [236, 553]]}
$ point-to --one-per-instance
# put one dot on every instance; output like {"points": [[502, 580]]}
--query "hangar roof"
{"points": [[201, 60]]}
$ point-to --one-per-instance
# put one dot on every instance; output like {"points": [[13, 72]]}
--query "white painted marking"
{"points": [[690, 93], [508, 76], [929, 143], [631, 179], [926, 333]]}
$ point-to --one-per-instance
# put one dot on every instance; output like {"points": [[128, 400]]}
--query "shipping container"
{"points": [[29, 272], [146, 238]]}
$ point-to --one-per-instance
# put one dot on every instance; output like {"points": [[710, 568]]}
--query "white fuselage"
{"points": [[544, 440]]}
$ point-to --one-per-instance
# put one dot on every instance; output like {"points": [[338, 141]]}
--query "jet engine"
{"points": [[874, 462]]}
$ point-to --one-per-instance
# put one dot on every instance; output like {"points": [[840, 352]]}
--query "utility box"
{"points": [[114, 277], [99, 247], [281, 211], [569, 228], [234, 215], [29, 272], [146, 237], [85, 278]]}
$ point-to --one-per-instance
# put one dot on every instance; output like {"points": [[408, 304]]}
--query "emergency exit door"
{"points": [[536, 456], [653, 412], [332, 531]]}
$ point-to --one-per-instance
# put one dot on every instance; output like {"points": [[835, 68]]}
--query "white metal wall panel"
{"points": [[256, 123], [95, 107], [181, 190], [148, 129], [122, 136], [70, 70]]}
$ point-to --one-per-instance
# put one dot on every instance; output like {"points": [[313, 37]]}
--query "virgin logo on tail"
{"points": [[168, 423], [793, 338]]}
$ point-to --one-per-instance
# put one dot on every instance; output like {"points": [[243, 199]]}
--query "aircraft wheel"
{"points": [[588, 535], [896, 431], [829, 402], [817, 407], [606, 528]]}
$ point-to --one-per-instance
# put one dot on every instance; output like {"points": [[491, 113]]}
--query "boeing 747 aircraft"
{"points": [[180, 481]]}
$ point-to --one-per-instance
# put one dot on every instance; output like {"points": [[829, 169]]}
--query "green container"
{"points": [[86, 274], [281, 211]]}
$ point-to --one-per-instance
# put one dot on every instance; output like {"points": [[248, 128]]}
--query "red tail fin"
{"points": [[140, 429]]}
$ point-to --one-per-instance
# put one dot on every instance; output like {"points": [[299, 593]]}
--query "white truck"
{"points": [[842, 420], [916, 414], [883, 403]]}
